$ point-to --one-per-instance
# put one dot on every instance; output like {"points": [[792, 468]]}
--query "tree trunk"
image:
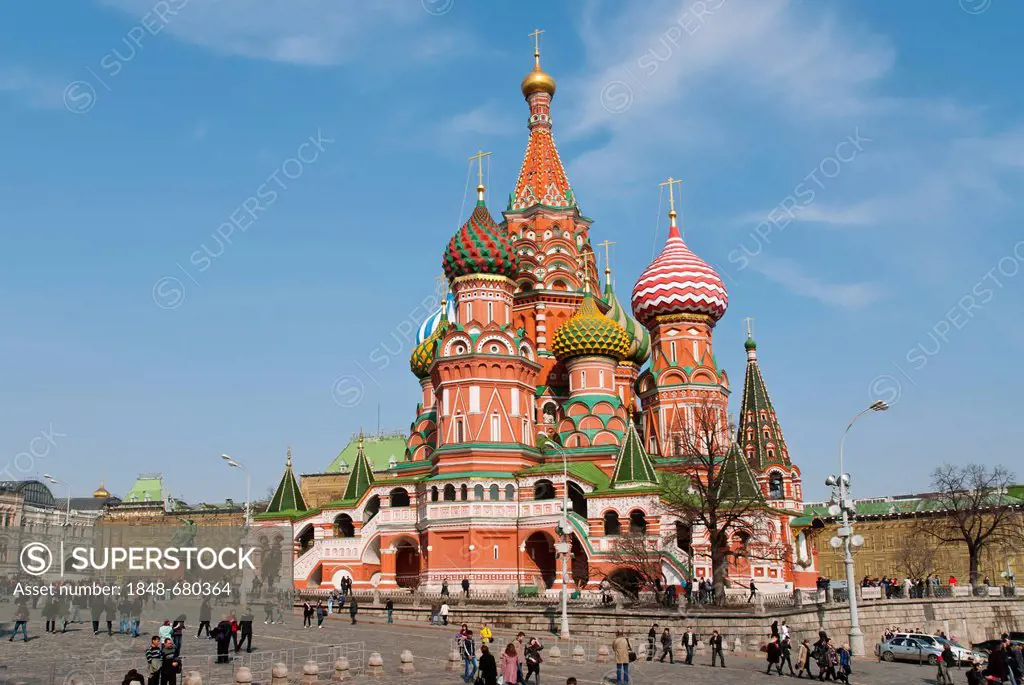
{"points": [[719, 567], [973, 555]]}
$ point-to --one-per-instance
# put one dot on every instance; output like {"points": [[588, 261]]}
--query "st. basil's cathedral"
{"points": [[538, 388]]}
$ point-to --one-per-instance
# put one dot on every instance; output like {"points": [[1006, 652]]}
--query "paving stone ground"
{"points": [[102, 660]]}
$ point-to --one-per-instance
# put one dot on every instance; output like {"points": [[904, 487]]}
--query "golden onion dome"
{"points": [[538, 80], [422, 357], [589, 332], [101, 492]]}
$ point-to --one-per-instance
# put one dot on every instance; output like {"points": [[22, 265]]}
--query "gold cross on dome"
{"points": [[536, 41], [671, 196], [479, 157], [750, 326], [606, 244]]}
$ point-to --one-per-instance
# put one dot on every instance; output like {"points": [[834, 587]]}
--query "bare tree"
{"points": [[635, 563], [972, 508], [918, 555], [716, 491]]}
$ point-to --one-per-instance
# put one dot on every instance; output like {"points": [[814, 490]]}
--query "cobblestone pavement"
{"points": [[99, 659]]}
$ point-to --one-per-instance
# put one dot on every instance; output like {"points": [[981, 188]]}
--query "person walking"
{"points": [[435, 613], [689, 643], [21, 615], [652, 639], [222, 635], [520, 645], [444, 613], [533, 660], [245, 631], [803, 660], [846, 665], [785, 648], [509, 664], [753, 591], [946, 659], [330, 603], [465, 587], [171, 665], [716, 648], [620, 647], [773, 655], [444, 588], [775, 630], [307, 615], [154, 660], [666, 647], [485, 634], [321, 614], [353, 609], [389, 607], [177, 630], [488, 666], [468, 656], [205, 615]]}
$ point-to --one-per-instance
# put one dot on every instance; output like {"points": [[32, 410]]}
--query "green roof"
{"points": [[147, 488], [287, 497], [736, 482], [379, 449], [361, 478], [633, 468], [758, 425]]}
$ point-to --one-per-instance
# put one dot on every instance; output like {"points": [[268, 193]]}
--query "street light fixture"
{"points": [[564, 547], [234, 463], [844, 536], [67, 515]]}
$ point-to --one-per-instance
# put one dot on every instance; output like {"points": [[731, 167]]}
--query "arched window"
{"points": [[577, 499], [684, 536], [637, 522], [371, 509], [611, 523], [478, 492], [449, 493], [510, 493], [543, 489], [399, 497], [343, 526], [464, 492], [494, 493], [433, 493], [775, 487]]}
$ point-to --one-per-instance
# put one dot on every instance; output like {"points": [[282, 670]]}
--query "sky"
{"points": [[852, 169]]}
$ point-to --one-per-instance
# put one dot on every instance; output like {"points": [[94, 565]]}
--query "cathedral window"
{"points": [[474, 399], [495, 552], [514, 401], [493, 491], [510, 493], [543, 489], [526, 432], [343, 526], [460, 430], [684, 536], [433, 493], [637, 522], [478, 492], [775, 488], [672, 350], [464, 492], [449, 493], [490, 315], [600, 378], [495, 428], [399, 497], [583, 380], [611, 523]]}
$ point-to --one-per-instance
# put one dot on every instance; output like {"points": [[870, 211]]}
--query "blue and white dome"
{"points": [[430, 324]]}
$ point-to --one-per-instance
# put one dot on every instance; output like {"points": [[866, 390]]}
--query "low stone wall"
{"points": [[969, 619]]}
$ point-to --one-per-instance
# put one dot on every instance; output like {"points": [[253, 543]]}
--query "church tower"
{"points": [[680, 298], [551, 240]]}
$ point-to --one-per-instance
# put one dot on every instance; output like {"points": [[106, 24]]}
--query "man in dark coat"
{"points": [[222, 634], [353, 609]]}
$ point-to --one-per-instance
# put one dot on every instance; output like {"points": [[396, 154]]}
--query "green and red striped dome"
{"points": [[479, 247]]}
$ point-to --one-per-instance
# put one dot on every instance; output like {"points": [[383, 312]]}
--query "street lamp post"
{"points": [[845, 537], [564, 547], [67, 514], [234, 463]]}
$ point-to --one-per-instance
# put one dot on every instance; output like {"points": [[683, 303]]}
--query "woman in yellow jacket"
{"points": [[485, 634]]}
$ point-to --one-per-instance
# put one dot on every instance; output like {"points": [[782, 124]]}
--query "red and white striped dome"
{"points": [[678, 282]]}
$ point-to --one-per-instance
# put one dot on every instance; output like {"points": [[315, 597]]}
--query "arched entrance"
{"points": [[305, 539], [627, 581], [577, 499], [580, 568], [540, 557], [407, 564]]}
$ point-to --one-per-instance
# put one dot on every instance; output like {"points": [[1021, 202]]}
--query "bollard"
{"points": [[243, 676], [405, 662], [578, 655], [454, 662], [555, 655], [375, 665], [279, 674], [193, 678], [603, 655], [340, 670], [310, 673]]}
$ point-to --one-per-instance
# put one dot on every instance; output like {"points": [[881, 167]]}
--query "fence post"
{"points": [[310, 673], [341, 668], [375, 665]]}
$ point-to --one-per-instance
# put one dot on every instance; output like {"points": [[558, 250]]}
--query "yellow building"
{"points": [[893, 548]]}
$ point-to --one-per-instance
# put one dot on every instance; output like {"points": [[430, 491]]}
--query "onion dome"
{"points": [[639, 338], [430, 324], [678, 282], [423, 354], [480, 247], [750, 345], [101, 492], [538, 80], [589, 332]]}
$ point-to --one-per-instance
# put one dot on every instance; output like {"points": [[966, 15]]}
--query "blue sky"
{"points": [[131, 130]]}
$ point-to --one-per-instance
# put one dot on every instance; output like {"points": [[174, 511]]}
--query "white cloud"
{"points": [[33, 89], [303, 32], [792, 277]]}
